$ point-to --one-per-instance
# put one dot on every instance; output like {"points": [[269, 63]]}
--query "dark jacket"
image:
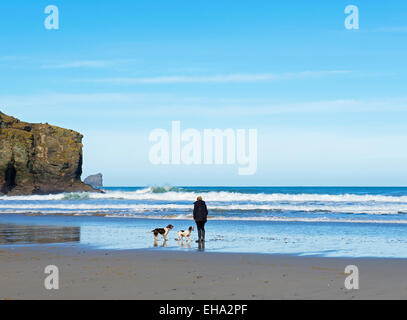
{"points": [[200, 211]]}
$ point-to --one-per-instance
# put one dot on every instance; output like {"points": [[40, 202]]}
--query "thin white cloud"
{"points": [[170, 105], [81, 64], [225, 78], [16, 61], [87, 64], [12, 58]]}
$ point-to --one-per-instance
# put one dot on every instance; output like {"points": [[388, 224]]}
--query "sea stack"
{"points": [[95, 180], [39, 158]]}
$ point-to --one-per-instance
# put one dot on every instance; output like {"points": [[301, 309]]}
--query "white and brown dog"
{"points": [[162, 231], [185, 234]]}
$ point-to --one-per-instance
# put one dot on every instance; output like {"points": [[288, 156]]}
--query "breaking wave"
{"points": [[178, 194], [215, 209], [238, 204]]}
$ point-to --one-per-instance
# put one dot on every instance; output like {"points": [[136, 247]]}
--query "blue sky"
{"points": [[330, 104]]}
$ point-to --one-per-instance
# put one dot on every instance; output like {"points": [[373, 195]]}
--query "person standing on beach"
{"points": [[200, 217]]}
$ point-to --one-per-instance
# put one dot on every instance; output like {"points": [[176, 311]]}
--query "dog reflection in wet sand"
{"points": [[186, 244], [163, 245]]}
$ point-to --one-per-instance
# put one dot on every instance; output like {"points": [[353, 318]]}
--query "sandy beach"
{"points": [[160, 274]]}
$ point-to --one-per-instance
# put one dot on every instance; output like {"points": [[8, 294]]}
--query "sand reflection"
{"points": [[25, 234]]}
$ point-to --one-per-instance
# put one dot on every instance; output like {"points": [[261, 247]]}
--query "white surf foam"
{"points": [[220, 196], [373, 209], [271, 219]]}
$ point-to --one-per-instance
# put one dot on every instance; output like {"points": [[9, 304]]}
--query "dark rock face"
{"points": [[39, 158], [95, 180]]}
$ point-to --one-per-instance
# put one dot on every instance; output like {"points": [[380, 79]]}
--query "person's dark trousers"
{"points": [[201, 230]]}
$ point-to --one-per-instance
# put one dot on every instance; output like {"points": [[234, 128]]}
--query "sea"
{"points": [[302, 221]]}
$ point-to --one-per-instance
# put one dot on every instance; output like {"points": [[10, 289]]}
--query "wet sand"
{"points": [[160, 274]]}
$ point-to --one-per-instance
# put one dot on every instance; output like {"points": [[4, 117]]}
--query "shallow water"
{"points": [[297, 238], [328, 221]]}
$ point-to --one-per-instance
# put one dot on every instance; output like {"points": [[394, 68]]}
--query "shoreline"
{"points": [[170, 250], [292, 238], [88, 273]]}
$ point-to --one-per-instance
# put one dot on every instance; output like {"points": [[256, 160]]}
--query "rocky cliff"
{"points": [[39, 158]]}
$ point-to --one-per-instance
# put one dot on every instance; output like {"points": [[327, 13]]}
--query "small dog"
{"points": [[162, 231], [185, 234]]}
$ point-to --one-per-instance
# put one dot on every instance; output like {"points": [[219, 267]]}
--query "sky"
{"points": [[329, 104]]}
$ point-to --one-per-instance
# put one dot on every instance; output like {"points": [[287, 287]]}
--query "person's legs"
{"points": [[201, 230]]}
